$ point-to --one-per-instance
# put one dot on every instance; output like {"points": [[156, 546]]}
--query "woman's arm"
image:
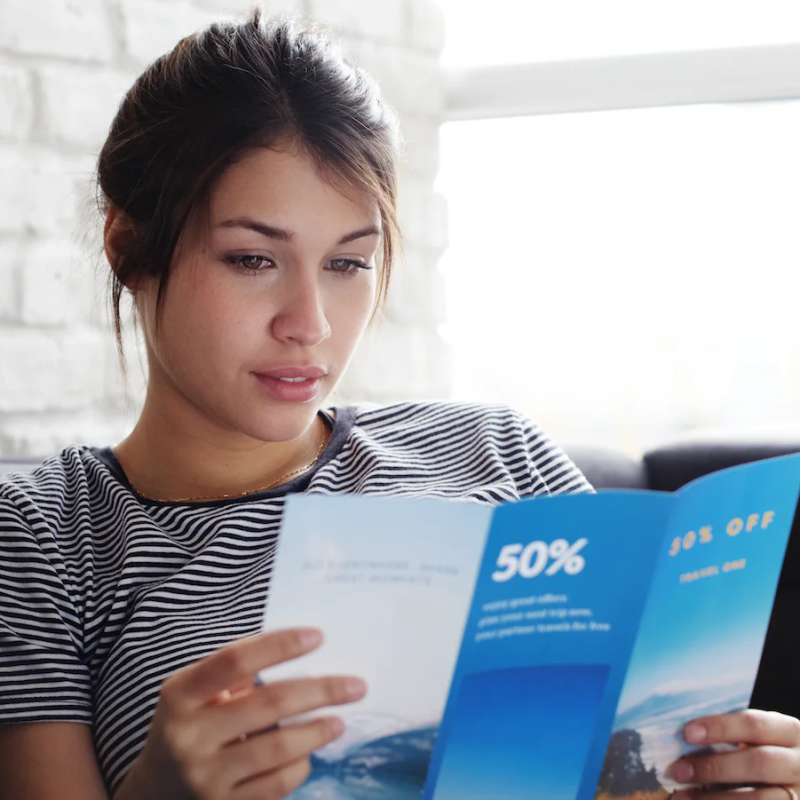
{"points": [[43, 760]]}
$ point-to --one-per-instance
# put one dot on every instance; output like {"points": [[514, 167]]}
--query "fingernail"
{"points": [[695, 733], [355, 688], [310, 637], [682, 771], [337, 726]]}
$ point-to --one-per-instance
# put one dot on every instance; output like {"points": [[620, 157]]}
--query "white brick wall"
{"points": [[16, 100], [40, 189], [381, 22], [151, 27], [77, 30], [77, 103], [64, 65]]}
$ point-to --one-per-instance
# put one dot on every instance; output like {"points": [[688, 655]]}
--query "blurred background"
{"points": [[599, 203]]}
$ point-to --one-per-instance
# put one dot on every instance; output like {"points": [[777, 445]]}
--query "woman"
{"points": [[249, 188]]}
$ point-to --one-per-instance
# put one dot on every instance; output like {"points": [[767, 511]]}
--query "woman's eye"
{"points": [[250, 263], [347, 265]]}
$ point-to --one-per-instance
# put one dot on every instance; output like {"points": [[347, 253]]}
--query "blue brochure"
{"points": [[552, 648]]}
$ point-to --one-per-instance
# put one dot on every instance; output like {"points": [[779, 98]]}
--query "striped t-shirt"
{"points": [[103, 593]]}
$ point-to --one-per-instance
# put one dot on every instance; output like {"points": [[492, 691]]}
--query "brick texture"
{"points": [[242, 8], [77, 104], [61, 372], [10, 258], [64, 67], [151, 28], [78, 30], [16, 103], [384, 21], [412, 81], [41, 191]]}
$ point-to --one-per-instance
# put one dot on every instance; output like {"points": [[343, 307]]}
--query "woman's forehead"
{"points": [[287, 180]]}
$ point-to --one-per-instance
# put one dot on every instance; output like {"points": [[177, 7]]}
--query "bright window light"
{"points": [[514, 31], [623, 276]]}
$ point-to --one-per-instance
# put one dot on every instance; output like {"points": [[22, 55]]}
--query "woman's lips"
{"points": [[301, 387], [292, 371]]}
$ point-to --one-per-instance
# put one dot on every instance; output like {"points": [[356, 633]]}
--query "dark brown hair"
{"points": [[221, 91]]}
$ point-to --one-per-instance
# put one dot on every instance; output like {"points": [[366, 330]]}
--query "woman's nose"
{"points": [[301, 317]]}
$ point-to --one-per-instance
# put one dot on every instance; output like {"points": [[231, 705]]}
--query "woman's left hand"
{"points": [[768, 757]]}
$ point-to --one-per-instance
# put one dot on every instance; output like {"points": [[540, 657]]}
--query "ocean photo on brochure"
{"points": [[702, 632], [547, 648]]}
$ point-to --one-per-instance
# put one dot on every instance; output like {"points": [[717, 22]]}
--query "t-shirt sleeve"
{"points": [[551, 469], [43, 677]]}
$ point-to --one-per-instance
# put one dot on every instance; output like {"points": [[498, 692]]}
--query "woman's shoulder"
{"points": [[470, 442], [460, 421], [45, 475], [438, 414], [54, 485]]}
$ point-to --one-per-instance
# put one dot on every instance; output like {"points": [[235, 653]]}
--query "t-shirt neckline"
{"points": [[340, 422]]}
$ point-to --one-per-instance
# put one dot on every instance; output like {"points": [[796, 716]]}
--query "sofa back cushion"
{"points": [[606, 468], [671, 466]]}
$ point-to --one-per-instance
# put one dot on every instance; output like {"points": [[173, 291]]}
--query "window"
{"points": [[523, 31], [626, 275]]}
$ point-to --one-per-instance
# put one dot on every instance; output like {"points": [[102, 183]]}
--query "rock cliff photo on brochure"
{"points": [[624, 774], [647, 736]]}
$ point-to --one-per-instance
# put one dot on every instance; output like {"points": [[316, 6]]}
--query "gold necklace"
{"points": [[272, 485]]}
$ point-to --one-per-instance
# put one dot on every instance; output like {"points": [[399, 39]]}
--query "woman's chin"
{"points": [[280, 426]]}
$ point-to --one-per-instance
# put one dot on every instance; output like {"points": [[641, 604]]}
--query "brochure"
{"points": [[549, 648]]}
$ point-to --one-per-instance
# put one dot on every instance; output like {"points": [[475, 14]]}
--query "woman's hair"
{"points": [[226, 89]]}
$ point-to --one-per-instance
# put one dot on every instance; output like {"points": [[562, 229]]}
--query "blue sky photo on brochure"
{"points": [[551, 648]]}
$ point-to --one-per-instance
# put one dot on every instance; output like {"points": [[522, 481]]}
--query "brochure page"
{"points": [[389, 581], [703, 629], [548, 648]]}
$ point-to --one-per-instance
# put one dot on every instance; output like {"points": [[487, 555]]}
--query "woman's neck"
{"points": [[172, 460]]}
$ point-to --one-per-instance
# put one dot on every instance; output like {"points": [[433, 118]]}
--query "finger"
{"points": [[240, 661], [272, 702], [764, 793], [750, 727], [274, 785], [283, 746], [748, 766]]}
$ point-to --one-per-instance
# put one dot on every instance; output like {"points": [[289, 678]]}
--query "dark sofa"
{"points": [[670, 466]]}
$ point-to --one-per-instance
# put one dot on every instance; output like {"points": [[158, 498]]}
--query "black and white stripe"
{"points": [[103, 594]]}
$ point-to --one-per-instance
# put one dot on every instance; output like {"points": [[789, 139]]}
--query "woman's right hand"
{"points": [[208, 737]]}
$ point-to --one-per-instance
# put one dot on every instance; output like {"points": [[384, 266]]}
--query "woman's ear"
{"points": [[118, 235]]}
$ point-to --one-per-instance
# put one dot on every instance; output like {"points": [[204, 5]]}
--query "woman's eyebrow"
{"points": [[372, 230], [281, 235], [270, 231]]}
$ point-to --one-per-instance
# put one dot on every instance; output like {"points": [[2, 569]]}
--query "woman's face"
{"points": [[263, 312]]}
